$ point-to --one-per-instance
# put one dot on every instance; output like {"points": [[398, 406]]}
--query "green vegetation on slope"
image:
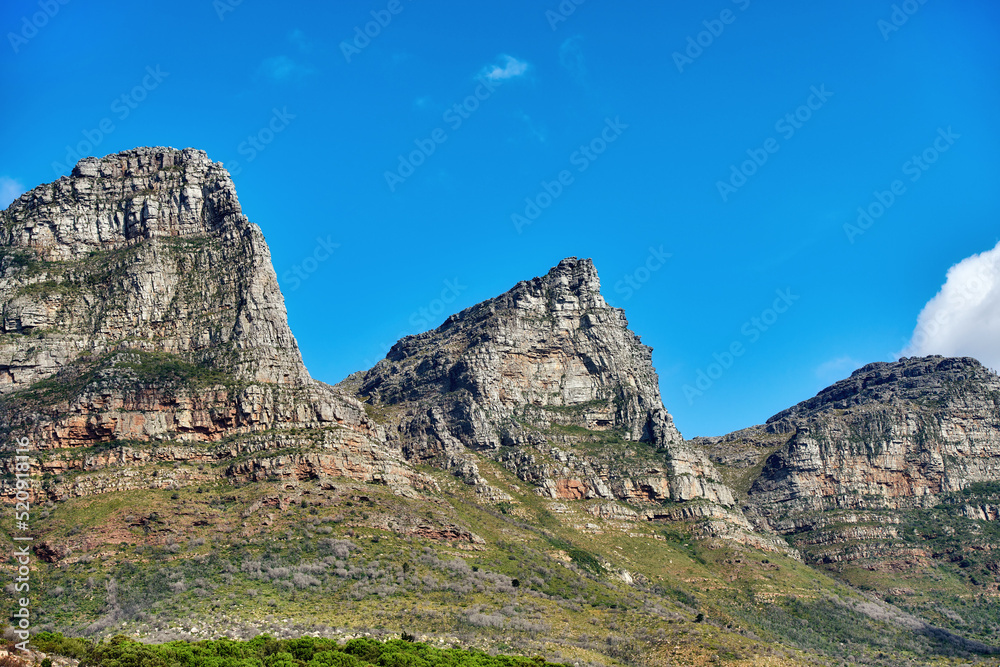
{"points": [[265, 651]]}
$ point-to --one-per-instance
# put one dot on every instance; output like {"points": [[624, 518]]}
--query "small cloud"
{"points": [[10, 189], [301, 42], [282, 68], [837, 369], [963, 318], [572, 60], [509, 68]]}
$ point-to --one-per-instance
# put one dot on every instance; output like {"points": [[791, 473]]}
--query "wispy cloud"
{"points": [[572, 60], [963, 319], [10, 189], [837, 369], [282, 68], [508, 68]]}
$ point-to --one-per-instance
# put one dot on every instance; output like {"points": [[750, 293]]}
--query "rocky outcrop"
{"points": [[872, 465], [551, 342], [547, 379], [139, 305], [893, 435], [149, 248]]}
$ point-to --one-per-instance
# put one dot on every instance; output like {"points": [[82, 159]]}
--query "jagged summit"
{"points": [[916, 378], [549, 341], [573, 284], [140, 306], [121, 198], [530, 369], [147, 248]]}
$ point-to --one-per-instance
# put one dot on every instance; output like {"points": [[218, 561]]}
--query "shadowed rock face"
{"points": [[892, 435], [548, 342], [529, 375], [147, 248], [140, 306]]}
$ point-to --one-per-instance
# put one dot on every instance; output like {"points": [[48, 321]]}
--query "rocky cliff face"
{"points": [[139, 305], [148, 246], [547, 379], [891, 436], [879, 470]]}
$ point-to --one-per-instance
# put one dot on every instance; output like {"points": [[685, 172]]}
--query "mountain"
{"points": [[140, 308], [548, 380], [890, 479], [510, 479]]}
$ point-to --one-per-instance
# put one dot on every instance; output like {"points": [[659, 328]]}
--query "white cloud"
{"points": [[10, 189], [282, 68], [837, 369], [963, 319], [509, 68]]}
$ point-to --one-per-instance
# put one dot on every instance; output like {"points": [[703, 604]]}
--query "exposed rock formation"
{"points": [[140, 305], [892, 435], [147, 247], [874, 465], [547, 379]]}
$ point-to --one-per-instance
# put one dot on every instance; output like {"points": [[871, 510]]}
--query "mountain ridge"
{"points": [[145, 352]]}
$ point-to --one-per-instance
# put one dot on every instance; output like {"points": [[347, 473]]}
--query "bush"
{"points": [[264, 651], [55, 642]]}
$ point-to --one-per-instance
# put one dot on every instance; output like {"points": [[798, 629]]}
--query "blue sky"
{"points": [[627, 124]]}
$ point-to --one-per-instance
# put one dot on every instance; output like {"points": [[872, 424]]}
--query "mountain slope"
{"points": [[509, 479], [890, 479]]}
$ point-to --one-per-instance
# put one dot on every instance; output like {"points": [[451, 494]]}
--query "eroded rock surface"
{"points": [[139, 305], [893, 435]]}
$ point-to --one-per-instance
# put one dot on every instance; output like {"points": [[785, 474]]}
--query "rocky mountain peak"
{"points": [[547, 369], [918, 378], [146, 249], [572, 281], [123, 198], [549, 341], [891, 436]]}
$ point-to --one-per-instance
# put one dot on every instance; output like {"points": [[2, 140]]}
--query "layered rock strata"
{"points": [[139, 305]]}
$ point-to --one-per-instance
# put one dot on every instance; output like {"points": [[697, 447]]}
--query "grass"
{"points": [[208, 561]]}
